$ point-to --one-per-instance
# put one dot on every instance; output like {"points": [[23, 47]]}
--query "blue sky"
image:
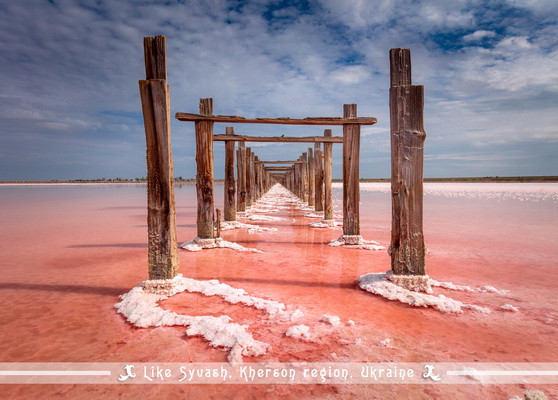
{"points": [[70, 108]]}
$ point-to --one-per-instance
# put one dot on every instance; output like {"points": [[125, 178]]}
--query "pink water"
{"points": [[69, 251]]}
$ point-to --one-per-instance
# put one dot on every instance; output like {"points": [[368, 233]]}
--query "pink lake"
{"points": [[69, 251]]}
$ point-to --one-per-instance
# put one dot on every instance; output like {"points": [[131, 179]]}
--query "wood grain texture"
{"points": [[328, 201], [230, 184], [248, 159], [204, 176], [241, 174], [304, 177], [351, 187], [282, 121], [154, 51], [311, 178], [163, 259], [400, 67], [407, 248], [318, 178]]}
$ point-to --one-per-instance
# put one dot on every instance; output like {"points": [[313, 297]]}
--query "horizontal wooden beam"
{"points": [[279, 139], [233, 119], [277, 168], [280, 162]]}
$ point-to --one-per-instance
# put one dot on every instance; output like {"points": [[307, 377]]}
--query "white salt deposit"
{"points": [[452, 286], [378, 283], [351, 322], [333, 320], [194, 245], [384, 343], [509, 307], [141, 309], [315, 214], [258, 217], [299, 332], [321, 224], [362, 244]]}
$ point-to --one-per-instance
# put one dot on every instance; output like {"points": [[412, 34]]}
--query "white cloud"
{"points": [[478, 35]]}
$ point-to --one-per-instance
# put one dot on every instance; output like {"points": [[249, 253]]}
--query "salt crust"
{"points": [[378, 283], [299, 332], [509, 307], [333, 320], [325, 223], [451, 286], [356, 242], [140, 307], [199, 244], [228, 225], [384, 343]]}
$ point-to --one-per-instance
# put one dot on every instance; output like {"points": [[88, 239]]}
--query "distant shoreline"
{"points": [[486, 179]]}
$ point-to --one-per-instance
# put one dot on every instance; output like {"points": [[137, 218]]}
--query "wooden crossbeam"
{"points": [[277, 168], [280, 162], [279, 139], [283, 121]]}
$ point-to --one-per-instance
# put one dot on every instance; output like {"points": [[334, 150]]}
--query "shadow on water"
{"points": [[334, 285], [122, 245], [99, 290]]}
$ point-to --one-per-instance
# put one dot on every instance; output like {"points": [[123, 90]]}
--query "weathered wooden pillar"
{"points": [[311, 178], [319, 178], [204, 177], [241, 177], [351, 188], [162, 251], [328, 201], [304, 177], [406, 102], [257, 179], [253, 192], [230, 184], [248, 159]]}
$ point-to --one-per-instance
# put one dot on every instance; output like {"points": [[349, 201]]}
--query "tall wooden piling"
{"points": [[161, 217], [248, 160], [406, 102], [311, 178], [328, 201], [304, 177], [351, 188], [204, 177], [319, 178], [230, 184], [241, 177]]}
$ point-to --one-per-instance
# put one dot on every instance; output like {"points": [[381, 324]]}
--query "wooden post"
{"points": [[252, 178], [204, 177], [217, 223], [351, 189], [241, 174], [161, 217], [311, 178], [319, 178], [248, 159], [328, 202], [406, 104], [304, 177], [257, 178], [230, 187]]}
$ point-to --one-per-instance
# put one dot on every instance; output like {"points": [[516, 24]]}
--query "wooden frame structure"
{"points": [[309, 177]]}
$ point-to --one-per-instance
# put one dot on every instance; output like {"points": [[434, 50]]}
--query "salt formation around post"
{"points": [[140, 307], [356, 242], [381, 284]]}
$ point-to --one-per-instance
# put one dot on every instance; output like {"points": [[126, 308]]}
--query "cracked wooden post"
{"points": [[319, 178], [311, 178], [406, 102], [204, 177], [230, 184], [241, 177], [351, 186], [162, 251], [328, 201]]}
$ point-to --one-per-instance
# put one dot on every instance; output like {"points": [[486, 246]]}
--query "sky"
{"points": [[70, 106]]}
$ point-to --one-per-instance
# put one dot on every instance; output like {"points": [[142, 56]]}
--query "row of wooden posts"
{"points": [[309, 177]]}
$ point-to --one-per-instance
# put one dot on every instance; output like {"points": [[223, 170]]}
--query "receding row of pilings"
{"points": [[305, 178]]}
